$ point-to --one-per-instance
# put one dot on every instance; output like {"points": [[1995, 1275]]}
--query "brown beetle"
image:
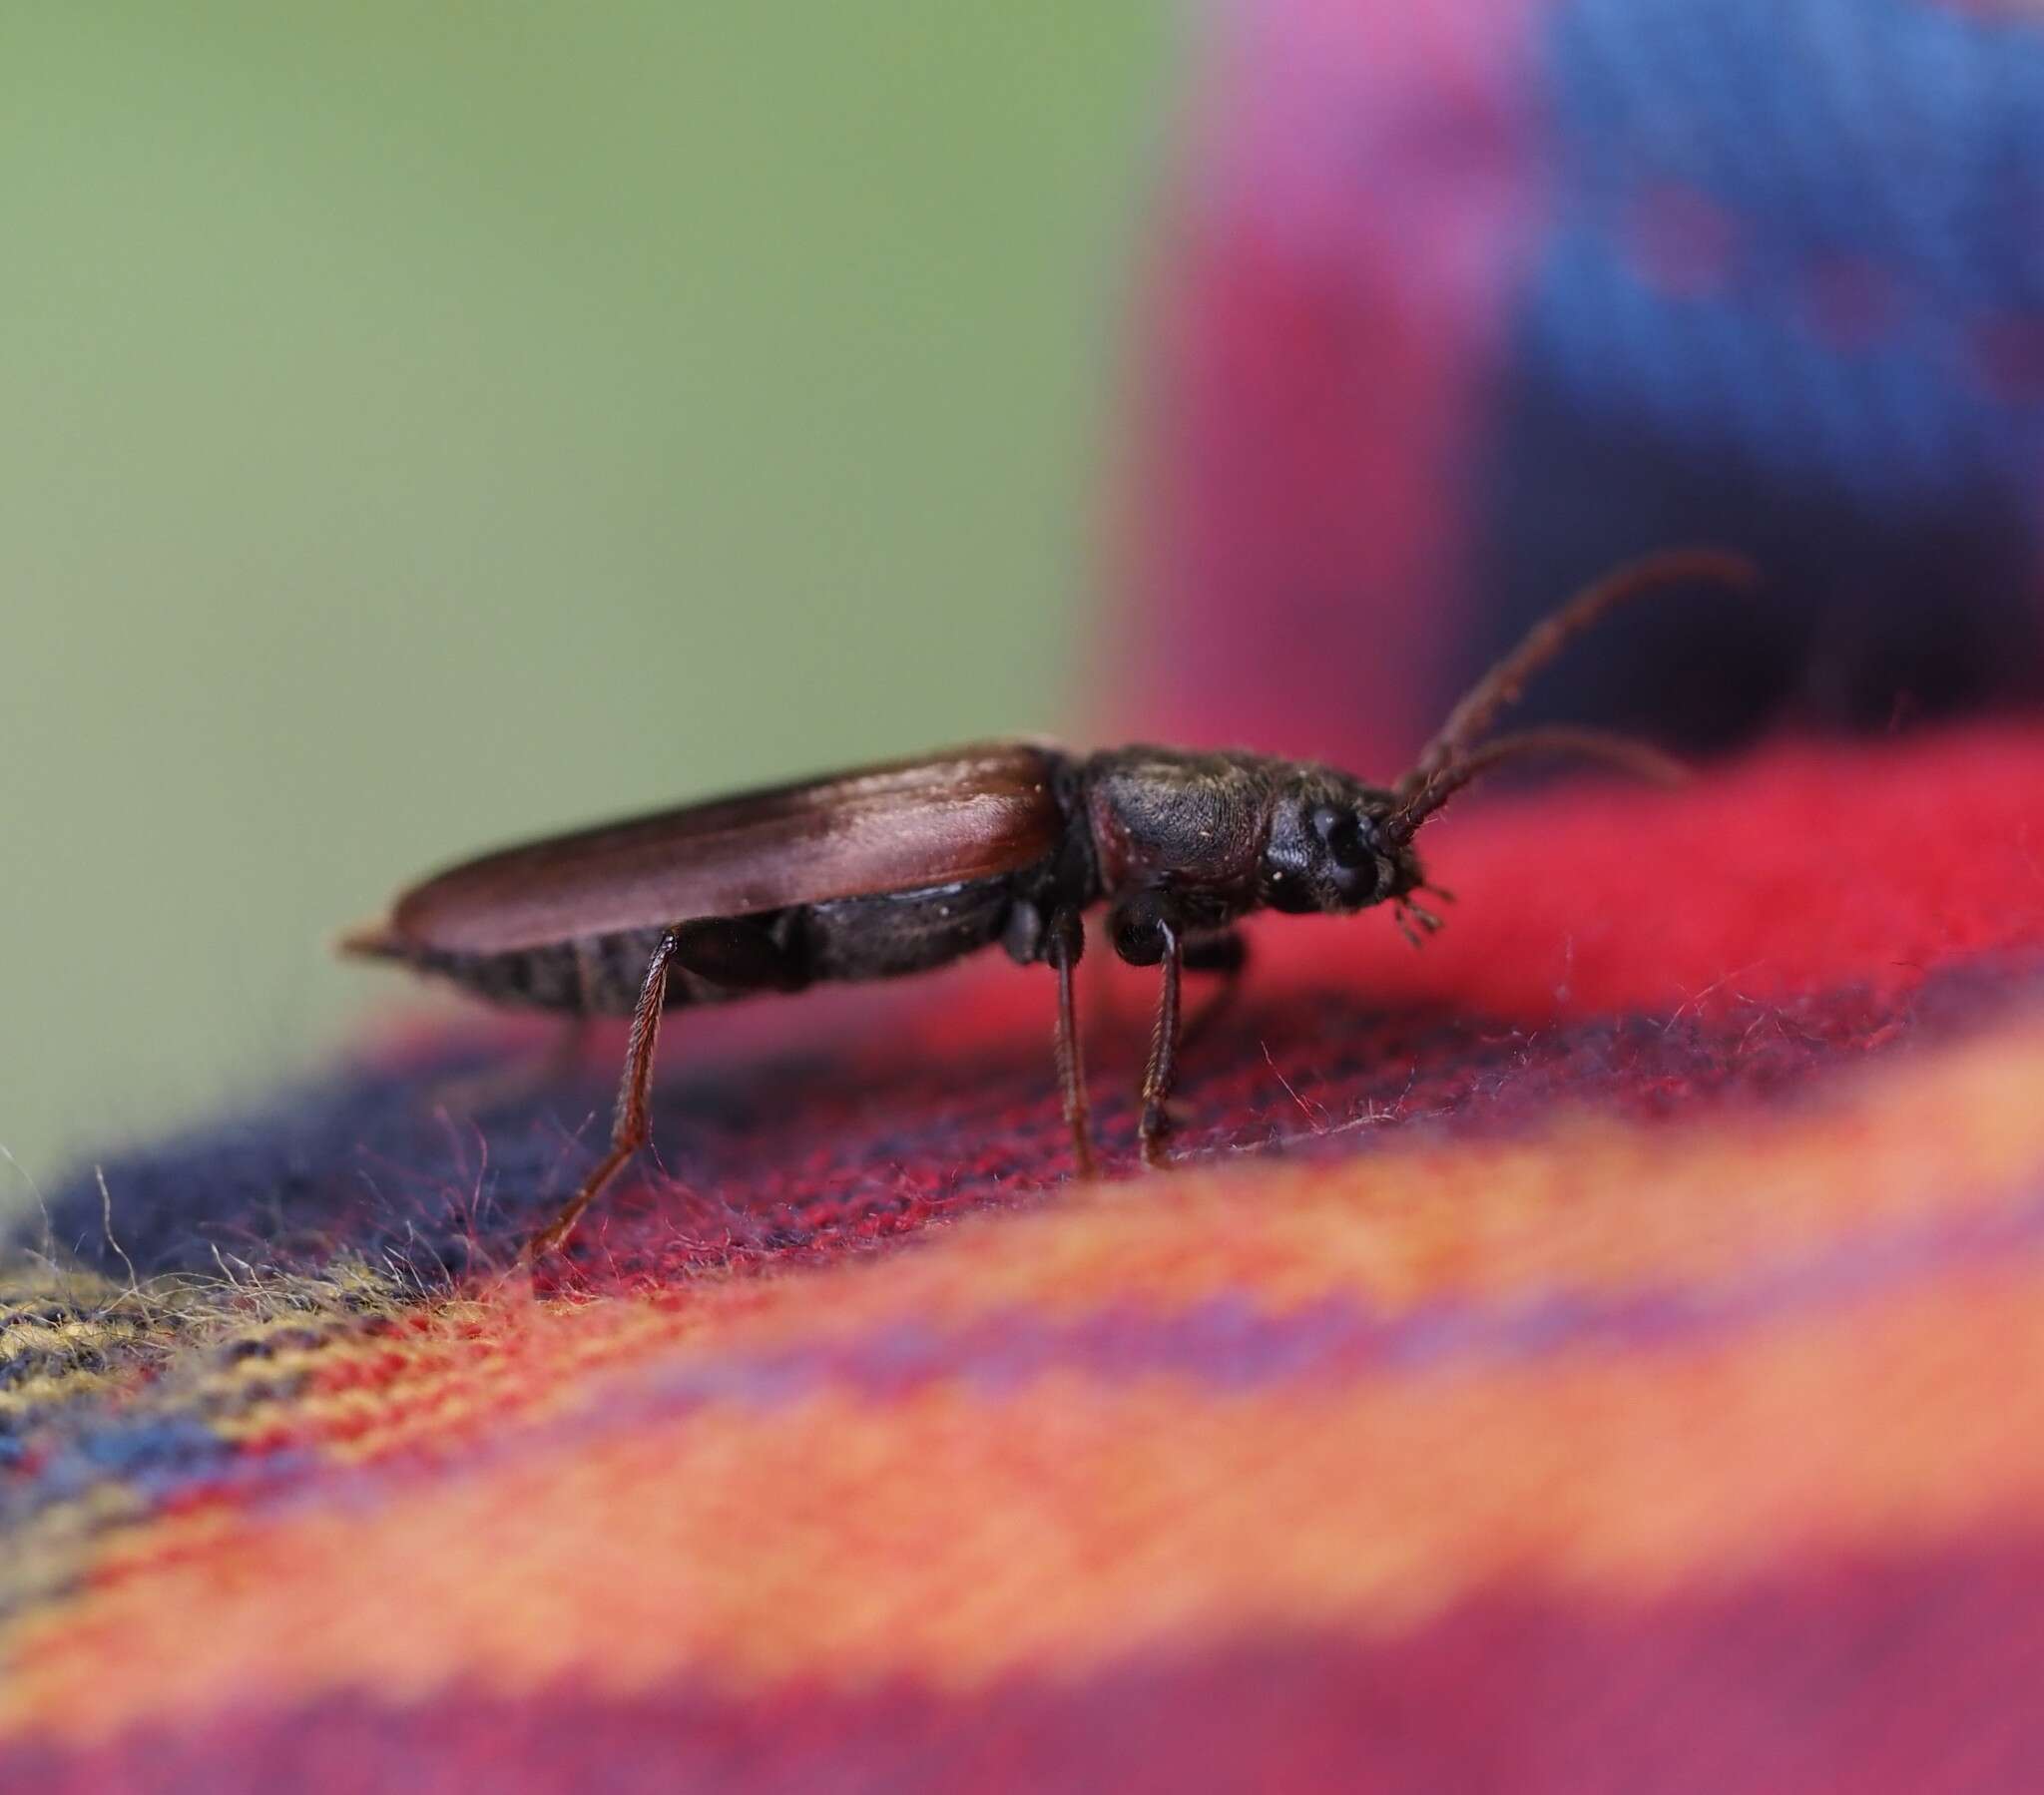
{"points": [[908, 866]]}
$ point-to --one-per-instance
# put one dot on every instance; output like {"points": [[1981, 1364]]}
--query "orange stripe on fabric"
{"points": [[953, 1537], [1596, 1206]]}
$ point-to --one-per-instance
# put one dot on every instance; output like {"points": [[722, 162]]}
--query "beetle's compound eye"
{"points": [[1342, 830]]}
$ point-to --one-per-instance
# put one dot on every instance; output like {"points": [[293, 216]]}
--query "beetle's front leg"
{"points": [[1164, 1043], [1064, 942], [1146, 933]]}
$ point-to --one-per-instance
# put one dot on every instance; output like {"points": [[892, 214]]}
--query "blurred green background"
{"points": [[427, 425]]}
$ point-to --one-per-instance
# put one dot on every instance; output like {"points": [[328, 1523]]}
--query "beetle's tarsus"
{"points": [[554, 1234], [1155, 1129]]}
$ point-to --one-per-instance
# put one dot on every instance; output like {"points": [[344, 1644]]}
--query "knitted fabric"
{"points": [[1604, 1350], [1605, 1345]]}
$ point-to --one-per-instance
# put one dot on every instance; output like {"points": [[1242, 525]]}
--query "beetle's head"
{"points": [[1338, 844], [1331, 847]]}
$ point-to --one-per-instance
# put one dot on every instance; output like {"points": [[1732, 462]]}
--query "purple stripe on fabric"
{"points": [[1897, 1674], [1230, 1343]]}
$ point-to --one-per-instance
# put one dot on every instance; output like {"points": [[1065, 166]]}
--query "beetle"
{"points": [[904, 867]]}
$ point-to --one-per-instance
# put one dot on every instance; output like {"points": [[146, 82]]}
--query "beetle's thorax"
{"points": [[1172, 817], [1213, 836]]}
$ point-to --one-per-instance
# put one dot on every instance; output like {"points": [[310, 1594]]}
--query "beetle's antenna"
{"points": [[1502, 686], [1621, 751]]}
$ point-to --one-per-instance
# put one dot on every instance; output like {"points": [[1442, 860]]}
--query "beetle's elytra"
{"points": [[908, 866]]}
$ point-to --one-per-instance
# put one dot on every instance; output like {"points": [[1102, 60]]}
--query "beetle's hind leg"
{"points": [[737, 953], [633, 1124]]}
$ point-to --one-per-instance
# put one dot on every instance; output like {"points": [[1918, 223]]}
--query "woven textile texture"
{"points": [[1602, 1350]]}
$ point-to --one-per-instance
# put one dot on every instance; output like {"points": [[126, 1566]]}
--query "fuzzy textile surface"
{"points": [[1604, 1350]]}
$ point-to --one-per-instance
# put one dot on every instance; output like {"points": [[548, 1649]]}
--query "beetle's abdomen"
{"points": [[597, 976], [903, 931], [846, 939]]}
